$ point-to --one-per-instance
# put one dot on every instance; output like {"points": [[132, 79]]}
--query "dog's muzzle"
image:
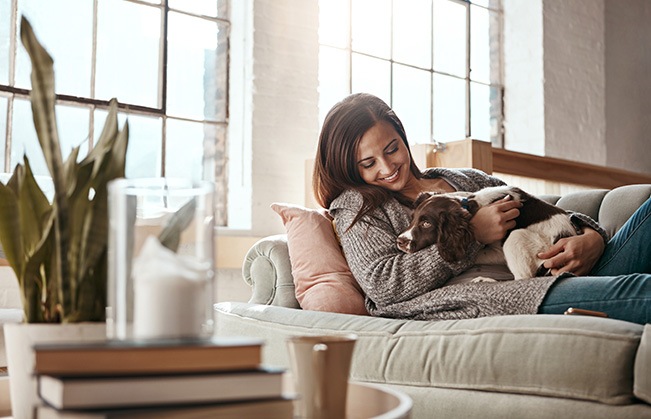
{"points": [[404, 243]]}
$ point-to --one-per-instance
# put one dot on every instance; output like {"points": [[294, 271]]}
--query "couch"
{"points": [[533, 366]]}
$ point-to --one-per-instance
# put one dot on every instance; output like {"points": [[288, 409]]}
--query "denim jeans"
{"points": [[620, 282]]}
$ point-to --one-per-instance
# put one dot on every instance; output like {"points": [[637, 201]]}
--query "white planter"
{"points": [[19, 339]]}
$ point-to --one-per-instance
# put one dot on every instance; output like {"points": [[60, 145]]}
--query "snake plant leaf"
{"points": [[43, 102], [43, 111], [170, 237], [39, 272], [10, 235], [106, 138], [70, 170], [118, 152], [34, 209]]}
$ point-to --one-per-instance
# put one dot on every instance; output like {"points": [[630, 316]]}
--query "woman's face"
{"points": [[383, 158]]}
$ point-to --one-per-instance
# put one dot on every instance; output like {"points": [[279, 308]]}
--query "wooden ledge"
{"points": [[481, 155]]}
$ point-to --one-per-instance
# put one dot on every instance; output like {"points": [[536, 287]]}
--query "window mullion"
{"points": [[431, 76], [468, 69], [163, 83], [93, 75]]}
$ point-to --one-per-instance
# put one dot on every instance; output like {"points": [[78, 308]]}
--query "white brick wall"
{"points": [[524, 95], [628, 85], [575, 80], [285, 104]]}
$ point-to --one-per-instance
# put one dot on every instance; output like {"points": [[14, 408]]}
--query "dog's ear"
{"points": [[421, 198], [472, 206], [454, 236]]}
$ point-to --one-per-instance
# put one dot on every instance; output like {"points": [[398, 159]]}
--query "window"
{"points": [[436, 62], [166, 61]]}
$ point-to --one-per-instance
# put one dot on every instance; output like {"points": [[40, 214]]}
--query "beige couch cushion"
{"points": [[563, 356], [642, 385]]}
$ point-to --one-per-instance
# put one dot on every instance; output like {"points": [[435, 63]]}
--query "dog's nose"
{"points": [[403, 243]]}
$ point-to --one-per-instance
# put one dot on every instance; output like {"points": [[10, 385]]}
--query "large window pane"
{"points": [[333, 78], [128, 44], [411, 101], [371, 75], [480, 112], [334, 23], [371, 26], [144, 155], [450, 37], [5, 31], [73, 125], [69, 42], [145, 150], [185, 141], [412, 33], [449, 108], [479, 45], [195, 62]]}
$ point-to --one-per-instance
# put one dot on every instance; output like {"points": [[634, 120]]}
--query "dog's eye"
{"points": [[425, 224]]}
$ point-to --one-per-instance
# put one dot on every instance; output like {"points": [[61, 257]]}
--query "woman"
{"points": [[364, 173]]}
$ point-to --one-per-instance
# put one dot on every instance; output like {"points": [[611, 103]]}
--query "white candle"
{"points": [[169, 293]]}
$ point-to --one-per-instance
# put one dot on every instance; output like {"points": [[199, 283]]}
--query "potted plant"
{"points": [[58, 250]]}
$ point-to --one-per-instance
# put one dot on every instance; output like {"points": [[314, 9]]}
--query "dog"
{"points": [[444, 219]]}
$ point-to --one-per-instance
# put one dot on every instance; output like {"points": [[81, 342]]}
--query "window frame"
{"points": [[212, 170], [496, 82]]}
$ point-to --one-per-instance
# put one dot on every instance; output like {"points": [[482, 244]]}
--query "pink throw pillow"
{"points": [[322, 279]]}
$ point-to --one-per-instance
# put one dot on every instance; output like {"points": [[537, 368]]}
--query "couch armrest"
{"points": [[268, 271]]}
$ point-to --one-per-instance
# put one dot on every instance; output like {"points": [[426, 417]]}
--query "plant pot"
{"points": [[19, 339]]}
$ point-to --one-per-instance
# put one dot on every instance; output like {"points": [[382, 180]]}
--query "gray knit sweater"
{"points": [[413, 286]]}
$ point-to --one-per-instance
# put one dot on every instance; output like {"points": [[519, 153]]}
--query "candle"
{"points": [[169, 293]]}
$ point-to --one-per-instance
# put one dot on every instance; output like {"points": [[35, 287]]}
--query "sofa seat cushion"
{"points": [[642, 385], [572, 357]]}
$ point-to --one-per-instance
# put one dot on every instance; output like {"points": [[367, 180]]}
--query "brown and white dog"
{"points": [[444, 220]]}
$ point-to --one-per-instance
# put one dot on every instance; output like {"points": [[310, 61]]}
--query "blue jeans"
{"points": [[620, 283]]}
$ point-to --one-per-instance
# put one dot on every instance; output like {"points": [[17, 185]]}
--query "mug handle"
{"points": [[319, 352]]}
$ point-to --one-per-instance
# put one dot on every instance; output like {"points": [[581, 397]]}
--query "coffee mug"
{"points": [[320, 367]]}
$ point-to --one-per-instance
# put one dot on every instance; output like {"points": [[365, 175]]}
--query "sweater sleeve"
{"points": [[582, 220], [385, 274]]}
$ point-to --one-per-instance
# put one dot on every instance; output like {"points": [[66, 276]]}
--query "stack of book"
{"points": [[218, 377]]}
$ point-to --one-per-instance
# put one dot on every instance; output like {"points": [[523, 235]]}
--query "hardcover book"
{"points": [[129, 391], [140, 357], [281, 408]]}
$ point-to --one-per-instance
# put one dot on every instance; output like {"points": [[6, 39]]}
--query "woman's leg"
{"points": [[629, 251], [624, 297]]}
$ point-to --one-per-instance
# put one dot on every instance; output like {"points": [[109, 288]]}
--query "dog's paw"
{"points": [[482, 279]]}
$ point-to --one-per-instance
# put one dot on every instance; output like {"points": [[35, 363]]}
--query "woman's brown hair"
{"points": [[335, 166]]}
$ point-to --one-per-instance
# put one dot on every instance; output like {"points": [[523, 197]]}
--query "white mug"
{"points": [[320, 367]]}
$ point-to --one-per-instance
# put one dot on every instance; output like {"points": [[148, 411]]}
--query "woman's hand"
{"points": [[576, 254], [492, 222]]}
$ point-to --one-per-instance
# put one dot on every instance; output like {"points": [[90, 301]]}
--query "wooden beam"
{"points": [[481, 155], [566, 171]]}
